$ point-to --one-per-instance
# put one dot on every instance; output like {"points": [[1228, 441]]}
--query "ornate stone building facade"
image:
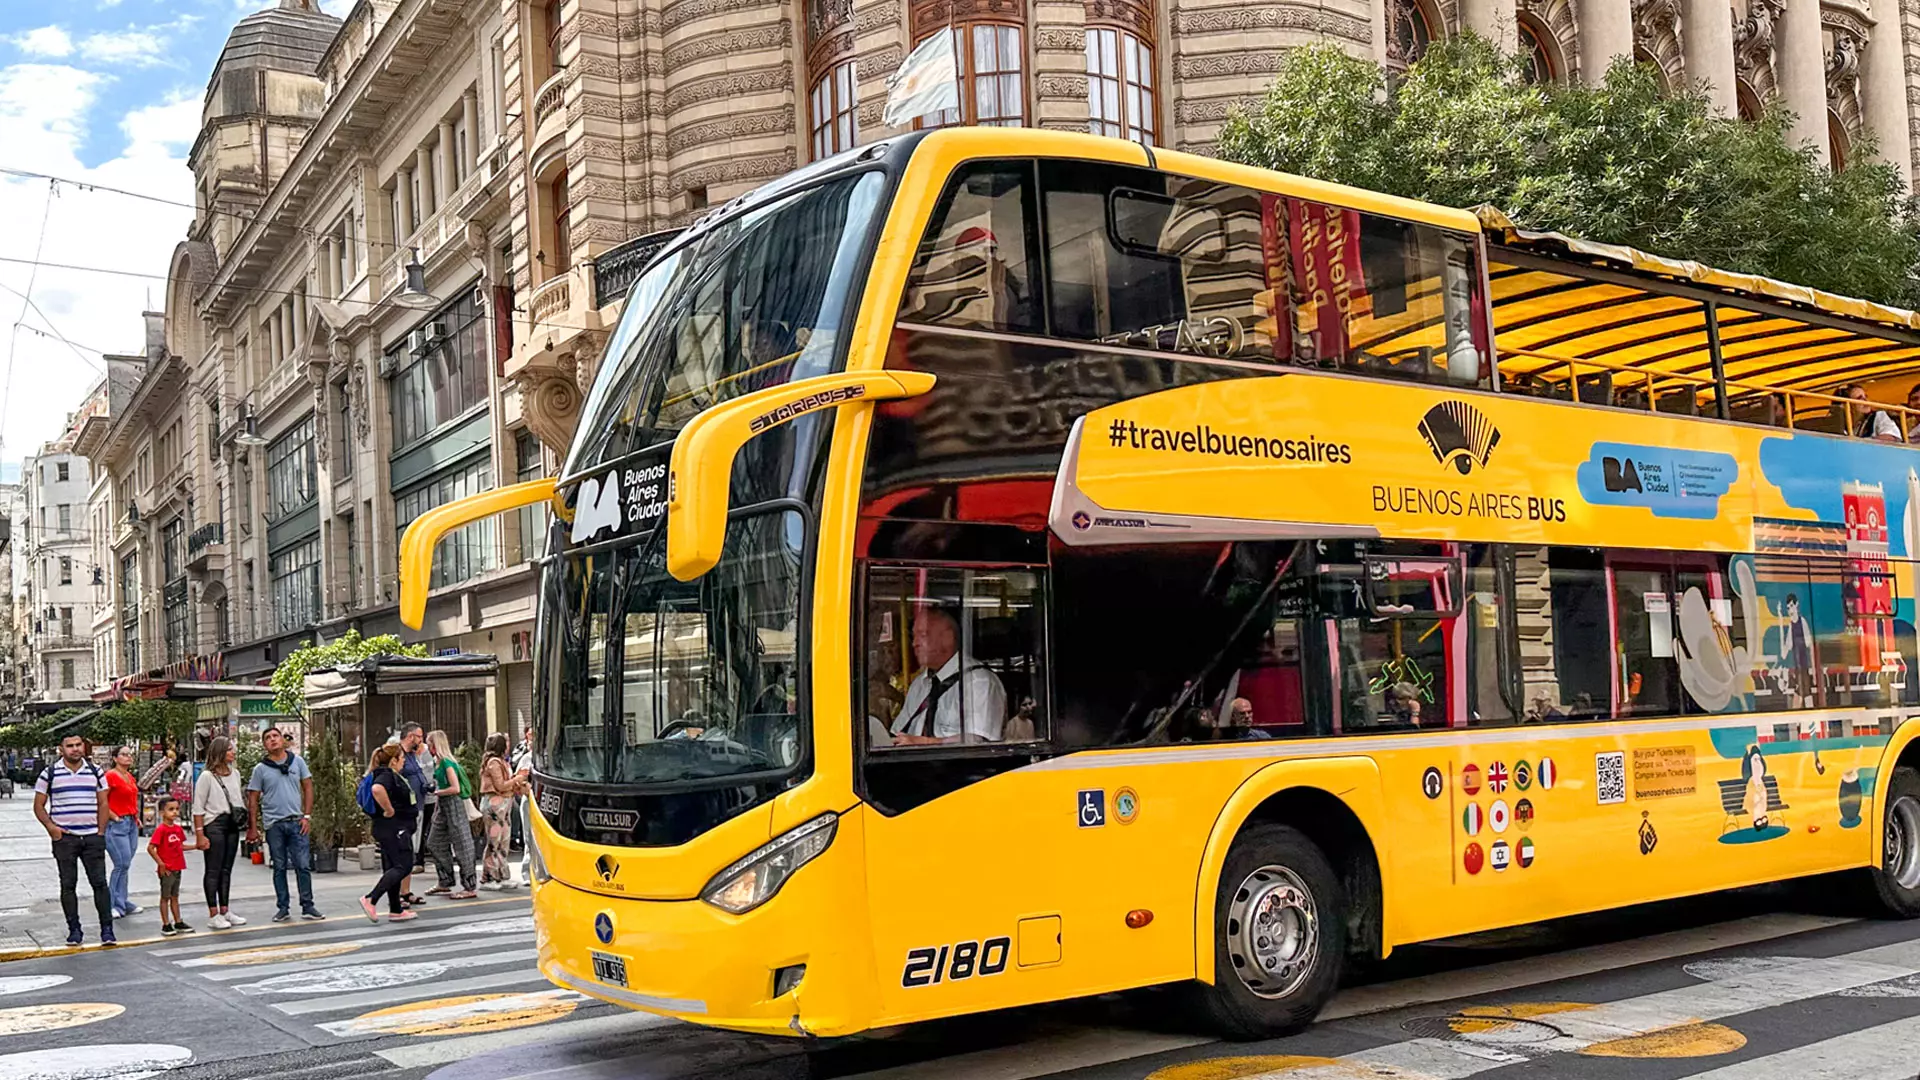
{"points": [[327, 366], [630, 117]]}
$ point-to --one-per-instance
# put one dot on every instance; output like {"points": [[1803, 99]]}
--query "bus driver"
{"points": [[949, 701]]}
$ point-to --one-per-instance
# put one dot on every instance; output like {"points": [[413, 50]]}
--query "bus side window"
{"points": [[1178, 643], [954, 657], [975, 267]]}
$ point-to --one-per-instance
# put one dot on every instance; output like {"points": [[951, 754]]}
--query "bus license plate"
{"points": [[610, 969]]}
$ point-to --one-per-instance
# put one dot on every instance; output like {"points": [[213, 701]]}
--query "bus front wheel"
{"points": [[1896, 881], [1280, 935]]}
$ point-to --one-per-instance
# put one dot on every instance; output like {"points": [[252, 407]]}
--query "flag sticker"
{"points": [[1523, 814], [1526, 852], [1471, 819], [1522, 775], [1498, 855], [1470, 779], [1497, 816], [1497, 777], [1547, 774], [1474, 858]]}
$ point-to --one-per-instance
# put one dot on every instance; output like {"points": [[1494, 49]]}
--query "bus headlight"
{"points": [[755, 879]]}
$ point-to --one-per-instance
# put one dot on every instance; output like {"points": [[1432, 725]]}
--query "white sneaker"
{"points": [[235, 919], [220, 922]]}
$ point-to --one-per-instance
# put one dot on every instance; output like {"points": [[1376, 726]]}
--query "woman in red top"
{"points": [[123, 831]]}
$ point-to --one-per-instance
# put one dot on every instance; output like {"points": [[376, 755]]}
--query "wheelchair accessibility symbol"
{"points": [[1093, 809]]}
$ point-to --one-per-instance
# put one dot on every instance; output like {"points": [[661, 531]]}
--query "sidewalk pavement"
{"points": [[30, 915]]}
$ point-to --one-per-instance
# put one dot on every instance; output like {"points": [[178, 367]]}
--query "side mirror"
{"points": [[701, 469], [417, 544]]}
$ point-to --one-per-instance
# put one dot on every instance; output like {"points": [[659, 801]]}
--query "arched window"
{"points": [[1119, 84], [992, 62], [1747, 102], [1410, 29], [830, 110], [833, 85], [1540, 52], [553, 21], [1839, 142], [990, 50]]}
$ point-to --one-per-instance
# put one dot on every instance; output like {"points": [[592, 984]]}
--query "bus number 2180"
{"points": [[962, 960]]}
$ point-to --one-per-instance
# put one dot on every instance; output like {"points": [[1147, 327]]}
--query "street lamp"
{"points": [[251, 435], [414, 293]]}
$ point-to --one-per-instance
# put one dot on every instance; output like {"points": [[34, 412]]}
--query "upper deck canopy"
{"points": [[1647, 324]]}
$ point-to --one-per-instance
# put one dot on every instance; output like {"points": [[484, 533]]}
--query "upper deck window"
{"points": [[754, 301], [1133, 257]]}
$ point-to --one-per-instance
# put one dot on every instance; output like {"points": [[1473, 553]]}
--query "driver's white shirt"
{"points": [[978, 693]]}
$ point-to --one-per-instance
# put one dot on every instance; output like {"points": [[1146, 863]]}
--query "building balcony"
{"points": [[207, 540], [549, 109], [615, 270], [442, 229]]}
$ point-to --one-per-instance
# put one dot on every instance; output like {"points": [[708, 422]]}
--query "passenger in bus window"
{"points": [[1403, 704], [951, 700], [1870, 423], [1913, 414]]}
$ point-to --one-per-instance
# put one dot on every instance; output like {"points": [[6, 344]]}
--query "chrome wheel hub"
{"points": [[1903, 842], [1273, 932]]}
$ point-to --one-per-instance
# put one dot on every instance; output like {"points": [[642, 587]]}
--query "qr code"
{"points": [[1610, 777]]}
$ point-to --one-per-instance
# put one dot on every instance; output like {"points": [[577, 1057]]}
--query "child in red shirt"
{"points": [[168, 846]]}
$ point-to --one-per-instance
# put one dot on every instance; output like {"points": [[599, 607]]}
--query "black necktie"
{"points": [[930, 708]]}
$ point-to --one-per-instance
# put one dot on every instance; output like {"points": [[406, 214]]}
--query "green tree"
{"points": [[289, 679], [1620, 163]]}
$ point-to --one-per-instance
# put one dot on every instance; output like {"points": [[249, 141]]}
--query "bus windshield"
{"points": [[660, 681], [748, 302]]}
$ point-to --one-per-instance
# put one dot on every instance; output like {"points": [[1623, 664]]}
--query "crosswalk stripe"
{"points": [[1576, 1028], [341, 1002], [384, 955], [381, 975], [1884, 1052], [605, 1026], [445, 1015], [390, 934]]}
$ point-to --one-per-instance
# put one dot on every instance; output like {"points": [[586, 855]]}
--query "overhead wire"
{"points": [[13, 337]]}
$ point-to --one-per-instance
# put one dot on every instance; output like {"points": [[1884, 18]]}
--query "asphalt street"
{"points": [[1759, 985]]}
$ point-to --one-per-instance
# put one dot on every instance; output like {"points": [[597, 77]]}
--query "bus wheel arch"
{"points": [[1301, 795], [1891, 882]]}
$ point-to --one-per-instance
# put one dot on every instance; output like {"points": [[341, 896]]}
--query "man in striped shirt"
{"points": [[70, 799]]}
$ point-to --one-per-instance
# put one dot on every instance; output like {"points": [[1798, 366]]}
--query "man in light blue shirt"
{"points": [[280, 799]]}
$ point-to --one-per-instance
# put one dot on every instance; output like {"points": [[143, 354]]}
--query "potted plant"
{"points": [[335, 809]]}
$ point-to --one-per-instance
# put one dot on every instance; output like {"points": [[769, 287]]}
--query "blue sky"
{"points": [[104, 92]]}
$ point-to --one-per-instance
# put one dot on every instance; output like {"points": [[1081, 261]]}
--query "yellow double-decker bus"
{"points": [[1001, 566]]}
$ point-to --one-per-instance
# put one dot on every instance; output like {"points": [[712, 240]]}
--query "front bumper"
{"points": [[691, 961]]}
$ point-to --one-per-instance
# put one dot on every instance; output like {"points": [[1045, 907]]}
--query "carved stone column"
{"points": [[1706, 33], [1494, 20], [1883, 88], [1606, 34], [1800, 64]]}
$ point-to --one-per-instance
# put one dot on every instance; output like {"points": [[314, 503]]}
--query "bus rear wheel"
{"points": [[1280, 936], [1896, 881]]}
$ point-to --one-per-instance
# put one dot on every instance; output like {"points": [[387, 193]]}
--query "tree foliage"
{"points": [[289, 679], [1623, 162]]}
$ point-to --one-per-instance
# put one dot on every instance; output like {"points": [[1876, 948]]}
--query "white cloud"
{"points": [[47, 41], [165, 131], [44, 118], [135, 48]]}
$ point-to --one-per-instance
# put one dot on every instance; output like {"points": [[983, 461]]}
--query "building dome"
{"points": [[290, 37]]}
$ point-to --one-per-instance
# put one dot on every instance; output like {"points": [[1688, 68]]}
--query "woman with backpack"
{"points": [[219, 821], [452, 839], [387, 798]]}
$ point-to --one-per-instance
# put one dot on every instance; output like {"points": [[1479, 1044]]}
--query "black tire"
{"points": [[1895, 883], [1278, 870]]}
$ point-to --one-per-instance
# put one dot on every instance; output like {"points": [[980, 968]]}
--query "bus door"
{"points": [[960, 847]]}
